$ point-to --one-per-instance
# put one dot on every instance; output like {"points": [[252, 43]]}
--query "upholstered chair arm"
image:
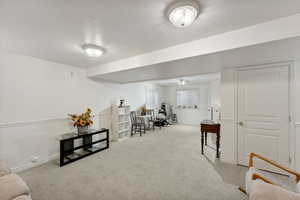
{"points": [[251, 163], [257, 176], [4, 169]]}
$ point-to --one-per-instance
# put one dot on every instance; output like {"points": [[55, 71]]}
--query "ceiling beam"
{"points": [[278, 29]]}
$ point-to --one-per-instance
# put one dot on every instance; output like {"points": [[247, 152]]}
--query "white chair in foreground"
{"points": [[12, 186], [291, 184], [265, 191]]}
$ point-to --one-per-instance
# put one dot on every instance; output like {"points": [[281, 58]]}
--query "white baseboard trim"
{"points": [[233, 162], [184, 124], [29, 165]]}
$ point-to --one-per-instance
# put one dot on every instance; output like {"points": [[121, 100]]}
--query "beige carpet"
{"points": [[164, 164]]}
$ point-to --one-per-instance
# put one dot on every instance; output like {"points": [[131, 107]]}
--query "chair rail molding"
{"points": [[39, 121], [30, 122]]}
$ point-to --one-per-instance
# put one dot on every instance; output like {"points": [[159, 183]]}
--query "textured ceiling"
{"points": [[55, 29]]}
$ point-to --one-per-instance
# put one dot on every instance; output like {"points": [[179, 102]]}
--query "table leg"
{"points": [[107, 138], [202, 142], [218, 145], [205, 138], [61, 162]]}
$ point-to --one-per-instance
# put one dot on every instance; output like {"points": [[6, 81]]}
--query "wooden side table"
{"points": [[210, 128]]}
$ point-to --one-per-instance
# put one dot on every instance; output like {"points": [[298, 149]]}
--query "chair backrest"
{"points": [[151, 112], [133, 117]]}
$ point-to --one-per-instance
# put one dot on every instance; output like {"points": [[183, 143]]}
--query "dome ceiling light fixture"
{"points": [[183, 13], [181, 82], [93, 50]]}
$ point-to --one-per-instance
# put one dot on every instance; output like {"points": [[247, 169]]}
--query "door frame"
{"points": [[292, 129]]}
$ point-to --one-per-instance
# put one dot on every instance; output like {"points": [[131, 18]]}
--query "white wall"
{"points": [[150, 89], [37, 95], [228, 121], [209, 95], [215, 89]]}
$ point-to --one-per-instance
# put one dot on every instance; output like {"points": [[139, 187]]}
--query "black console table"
{"points": [[69, 152]]}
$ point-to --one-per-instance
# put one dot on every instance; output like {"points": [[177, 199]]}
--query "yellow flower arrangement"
{"points": [[85, 119]]}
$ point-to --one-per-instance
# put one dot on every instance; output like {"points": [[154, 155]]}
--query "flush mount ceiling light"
{"points": [[184, 13], [181, 82], [93, 50]]}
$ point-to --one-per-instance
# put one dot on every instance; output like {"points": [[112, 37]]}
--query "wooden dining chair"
{"points": [[153, 121], [137, 124]]}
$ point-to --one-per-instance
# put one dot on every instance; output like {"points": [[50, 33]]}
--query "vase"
{"points": [[82, 129]]}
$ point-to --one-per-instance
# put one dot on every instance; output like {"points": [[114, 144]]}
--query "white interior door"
{"points": [[263, 113]]}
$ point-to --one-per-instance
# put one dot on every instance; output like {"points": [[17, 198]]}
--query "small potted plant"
{"points": [[83, 121]]}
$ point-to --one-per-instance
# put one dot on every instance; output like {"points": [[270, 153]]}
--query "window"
{"points": [[152, 99], [187, 98]]}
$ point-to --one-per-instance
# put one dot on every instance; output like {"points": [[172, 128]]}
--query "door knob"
{"points": [[241, 123]]}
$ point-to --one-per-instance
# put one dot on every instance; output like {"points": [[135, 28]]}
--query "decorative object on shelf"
{"points": [[82, 129], [214, 110], [83, 121], [122, 103]]}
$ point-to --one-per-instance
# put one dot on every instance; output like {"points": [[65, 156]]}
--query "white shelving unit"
{"points": [[121, 123]]}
